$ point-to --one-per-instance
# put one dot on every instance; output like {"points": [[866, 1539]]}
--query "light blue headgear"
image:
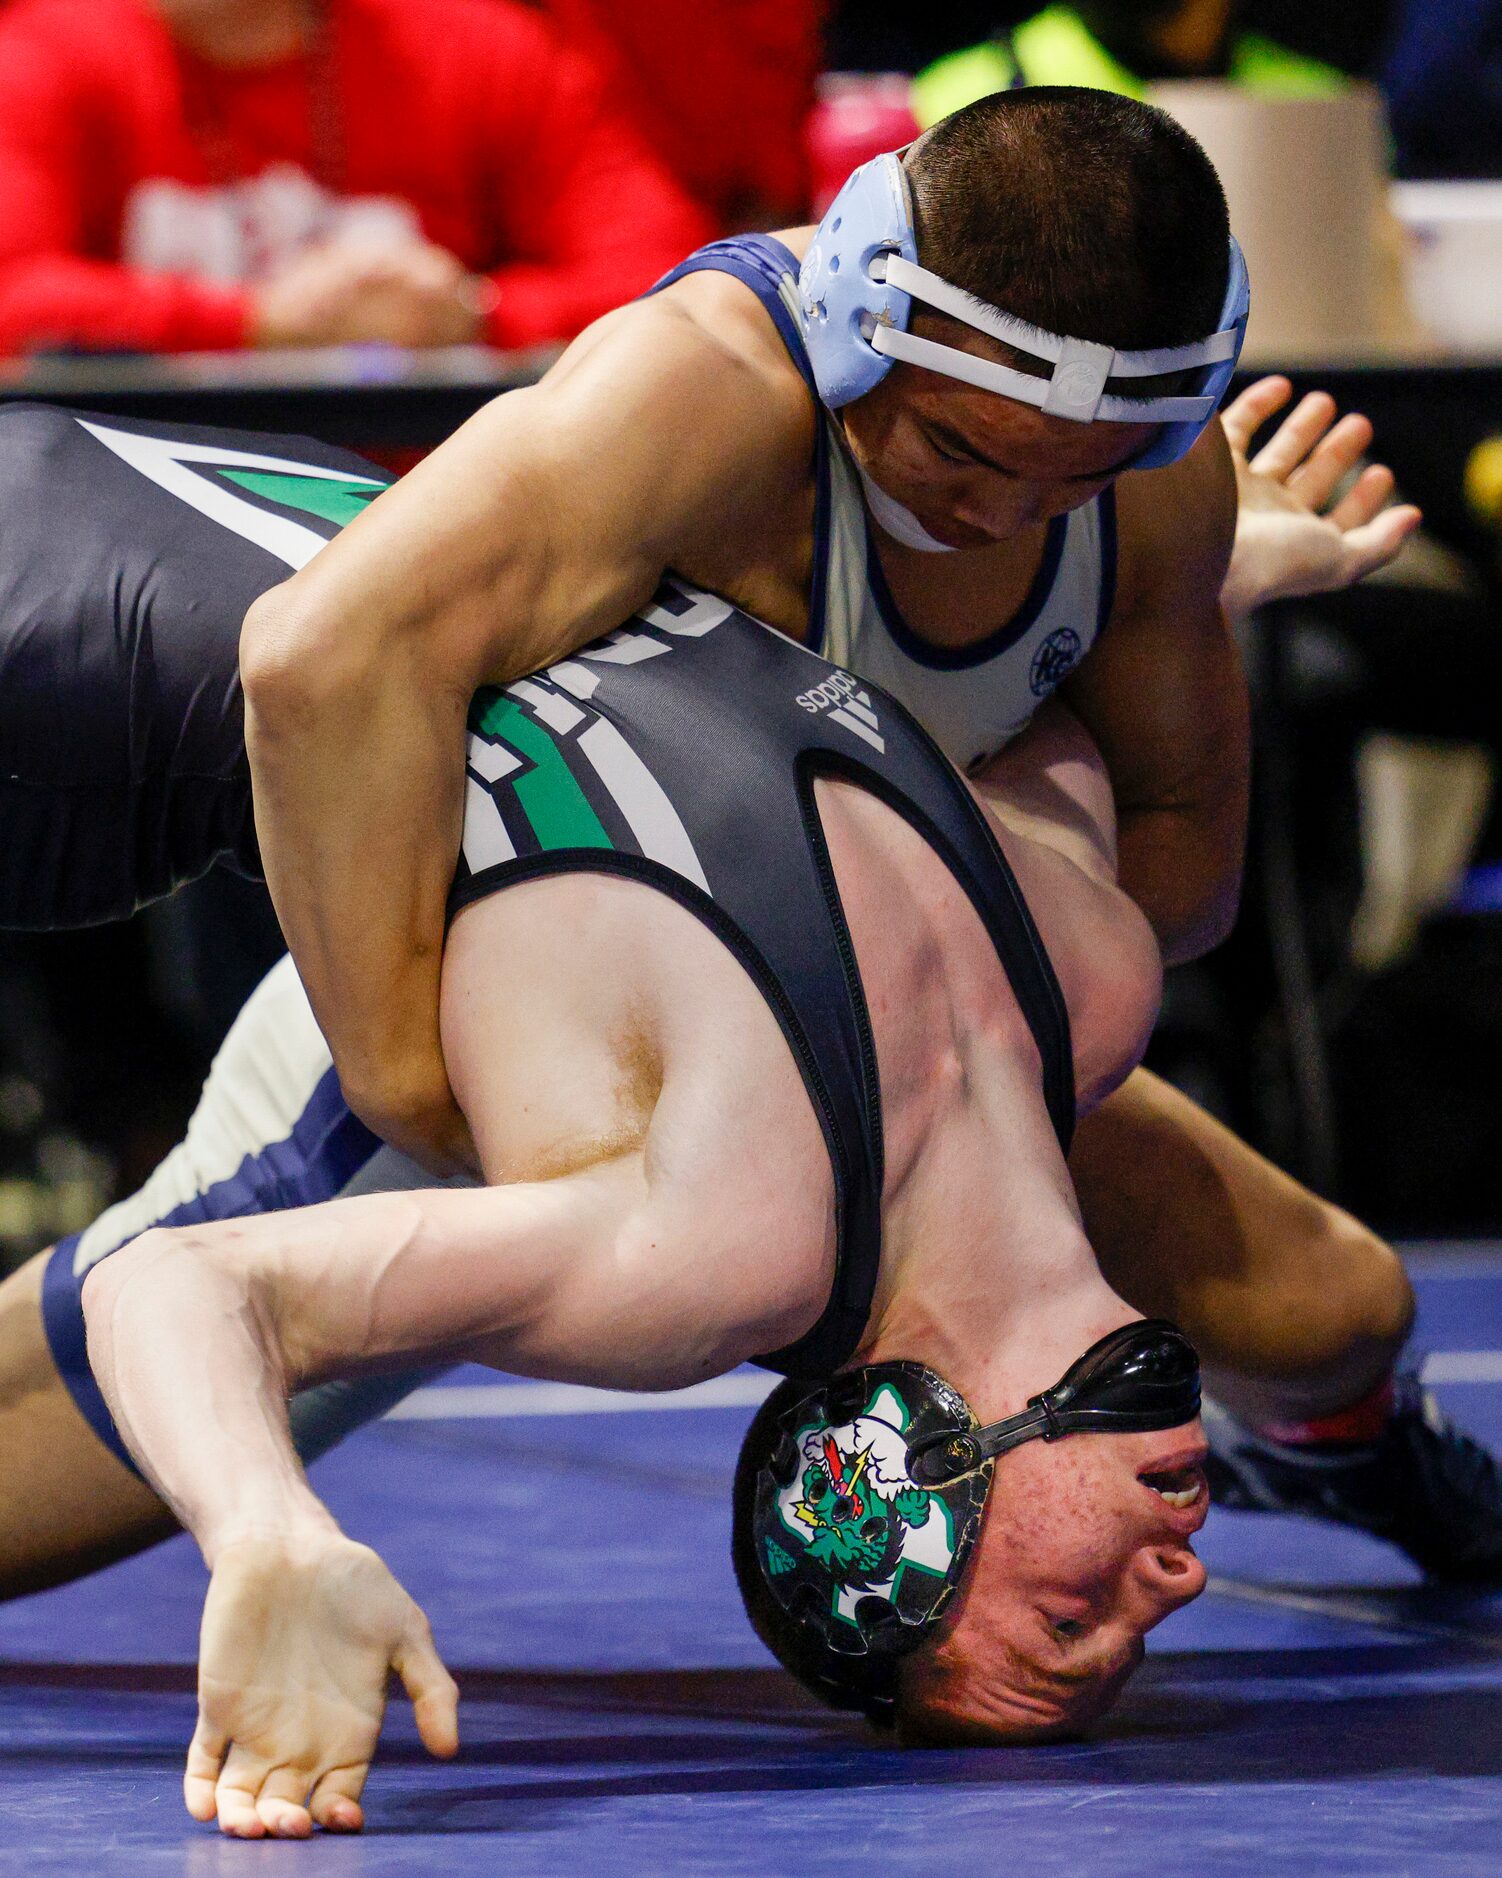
{"points": [[857, 286]]}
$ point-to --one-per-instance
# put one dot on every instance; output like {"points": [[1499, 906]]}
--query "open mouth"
{"points": [[1181, 1487]]}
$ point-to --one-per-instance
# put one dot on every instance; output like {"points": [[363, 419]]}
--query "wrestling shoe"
{"points": [[1420, 1484]]}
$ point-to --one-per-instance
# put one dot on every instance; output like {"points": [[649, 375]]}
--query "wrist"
{"points": [[1241, 593], [299, 1531]]}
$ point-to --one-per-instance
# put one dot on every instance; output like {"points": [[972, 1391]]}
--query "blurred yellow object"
{"points": [[1483, 480]]}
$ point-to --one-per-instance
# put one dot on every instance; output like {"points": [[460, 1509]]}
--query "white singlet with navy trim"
{"points": [[974, 701]]}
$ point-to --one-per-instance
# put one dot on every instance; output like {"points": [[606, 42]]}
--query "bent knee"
{"points": [[1344, 1297]]}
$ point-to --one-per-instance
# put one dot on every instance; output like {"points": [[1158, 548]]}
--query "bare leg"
{"points": [[1298, 1310], [67, 1505]]}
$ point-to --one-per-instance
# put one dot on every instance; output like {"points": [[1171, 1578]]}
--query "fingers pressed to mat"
{"points": [[434, 1693], [201, 1776], [235, 1794], [281, 1804], [336, 1799]]}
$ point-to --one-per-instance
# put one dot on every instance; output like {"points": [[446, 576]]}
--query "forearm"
{"points": [[193, 1375], [1183, 867], [199, 1335], [357, 674], [359, 803]]}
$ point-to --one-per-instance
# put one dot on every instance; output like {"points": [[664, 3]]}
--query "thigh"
{"points": [[270, 1132], [1190, 1222], [67, 1503]]}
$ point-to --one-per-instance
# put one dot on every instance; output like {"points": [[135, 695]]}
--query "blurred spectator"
{"points": [[202, 174], [1346, 33], [1121, 45], [858, 115], [722, 93], [1443, 81]]}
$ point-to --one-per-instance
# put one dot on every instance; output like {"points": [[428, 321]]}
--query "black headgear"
{"points": [[869, 1488]]}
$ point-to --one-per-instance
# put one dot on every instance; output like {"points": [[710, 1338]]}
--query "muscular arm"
{"points": [[196, 1337], [546, 519], [199, 1335], [1163, 695]]}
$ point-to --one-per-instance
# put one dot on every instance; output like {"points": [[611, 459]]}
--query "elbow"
{"points": [[120, 1297], [1202, 928], [292, 665], [162, 1267], [105, 1283]]}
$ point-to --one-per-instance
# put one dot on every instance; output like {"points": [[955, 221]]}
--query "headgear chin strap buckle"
{"points": [[1139, 1379], [861, 276]]}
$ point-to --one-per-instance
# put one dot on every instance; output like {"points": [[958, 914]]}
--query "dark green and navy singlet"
{"points": [[682, 750], [129, 554]]}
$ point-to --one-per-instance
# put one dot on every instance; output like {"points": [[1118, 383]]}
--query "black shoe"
{"points": [[1422, 1485]]}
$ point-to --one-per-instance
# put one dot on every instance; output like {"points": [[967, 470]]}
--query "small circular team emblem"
{"points": [[1055, 659], [1075, 384]]}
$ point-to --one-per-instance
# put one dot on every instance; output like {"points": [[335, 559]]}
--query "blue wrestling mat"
{"points": [[1315, 1712]]}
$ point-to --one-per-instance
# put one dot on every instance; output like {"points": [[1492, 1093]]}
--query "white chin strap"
{"points": [[900, 523], [1075, 389]]}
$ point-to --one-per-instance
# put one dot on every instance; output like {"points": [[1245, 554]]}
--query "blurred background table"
{"points": [[372, 397]]}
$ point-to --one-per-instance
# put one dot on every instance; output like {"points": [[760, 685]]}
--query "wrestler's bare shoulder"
{"points": [[1048, 798], [717, 433], [707, 350]]}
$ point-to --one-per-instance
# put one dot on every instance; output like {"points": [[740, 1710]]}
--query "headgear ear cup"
{"points": [[842, 300], [1175, 441]]}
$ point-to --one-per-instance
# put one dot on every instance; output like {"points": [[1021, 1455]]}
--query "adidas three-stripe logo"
{"points": [[847, 704]]}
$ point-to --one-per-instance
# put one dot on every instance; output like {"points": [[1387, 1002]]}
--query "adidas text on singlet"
{"points": [[974, 699], [682, 750]]}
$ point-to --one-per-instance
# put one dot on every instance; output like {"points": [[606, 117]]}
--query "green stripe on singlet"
{"points": [[336, 500], [551, 799]]}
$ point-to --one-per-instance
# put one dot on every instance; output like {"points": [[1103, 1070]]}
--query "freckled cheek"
{"points": [[1067, 1515], [1052, 1510]]}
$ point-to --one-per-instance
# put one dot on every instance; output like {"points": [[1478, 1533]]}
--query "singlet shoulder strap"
{"points": [[599, 764], [768, 268]]}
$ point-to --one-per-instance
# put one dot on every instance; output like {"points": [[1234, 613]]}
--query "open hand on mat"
{"points": [[299, 1637]]}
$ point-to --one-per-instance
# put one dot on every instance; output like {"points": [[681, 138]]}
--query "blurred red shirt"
{"points": [[140, 187], [723, 92]]}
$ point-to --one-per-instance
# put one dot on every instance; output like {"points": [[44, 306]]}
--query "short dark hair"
{"points": [[1080, 211]]}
